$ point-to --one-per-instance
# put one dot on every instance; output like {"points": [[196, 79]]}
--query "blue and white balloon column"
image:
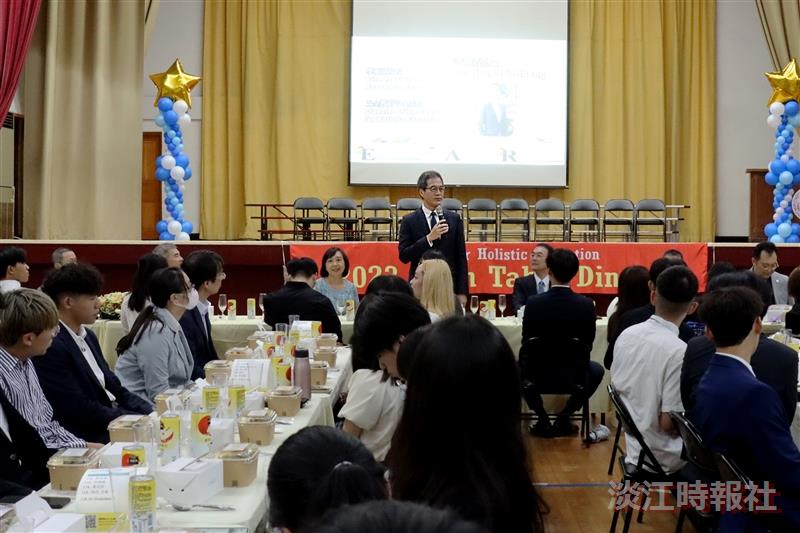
{"points": [[784, 172], [173, 170]]}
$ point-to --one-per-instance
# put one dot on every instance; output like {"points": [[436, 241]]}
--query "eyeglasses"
{"points": [[435, 189]]}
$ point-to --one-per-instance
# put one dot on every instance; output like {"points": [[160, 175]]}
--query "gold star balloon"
{"points": [[175, 83], [785, 84]]}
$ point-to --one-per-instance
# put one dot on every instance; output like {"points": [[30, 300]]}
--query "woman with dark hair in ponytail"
{"points": [[155, 355], [135, 301], [317, 469]]}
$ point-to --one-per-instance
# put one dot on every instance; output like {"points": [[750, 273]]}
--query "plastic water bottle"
{"points": [[600, 432], [302, 373]]}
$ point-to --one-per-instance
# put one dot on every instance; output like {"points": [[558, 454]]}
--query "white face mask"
{"points": [[194, 298]]}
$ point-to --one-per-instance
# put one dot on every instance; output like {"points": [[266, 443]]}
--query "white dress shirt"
{"points": [[86, 352], [647, 374], [8, 285], [4, 423]]}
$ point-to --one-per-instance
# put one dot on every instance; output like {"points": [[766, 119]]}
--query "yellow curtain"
{"points": [[642, 115], [83, 121], [780, 20]]}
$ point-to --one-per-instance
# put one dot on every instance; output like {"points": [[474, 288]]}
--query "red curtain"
{"points": [[17, 22]]}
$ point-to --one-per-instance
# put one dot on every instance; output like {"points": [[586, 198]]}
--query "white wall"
{"points": [[16, 104], [743, 138], [178, 34]]}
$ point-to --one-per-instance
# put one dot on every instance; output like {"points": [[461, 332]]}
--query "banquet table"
{"points": [[228, 333], [250, 503], [511, 328]]}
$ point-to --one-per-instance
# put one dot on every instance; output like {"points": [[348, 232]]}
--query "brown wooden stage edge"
{"points": [[251, 267], [256, 266]]}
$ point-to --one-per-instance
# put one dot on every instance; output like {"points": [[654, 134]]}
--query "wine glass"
{"points": [[261, 296], [222, 303], [501, 304], [474, 305]]}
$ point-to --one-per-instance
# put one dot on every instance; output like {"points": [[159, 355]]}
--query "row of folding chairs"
{"points": [[484, 219]]}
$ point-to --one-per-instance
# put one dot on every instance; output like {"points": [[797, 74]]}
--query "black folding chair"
{"points": [[556, 365], [647, 467], [704, 461]]}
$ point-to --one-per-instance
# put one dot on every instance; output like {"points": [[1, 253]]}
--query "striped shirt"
{"points": [[21, 386]]}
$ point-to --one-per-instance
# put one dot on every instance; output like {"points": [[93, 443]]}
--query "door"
{"points": [[151, 187]]}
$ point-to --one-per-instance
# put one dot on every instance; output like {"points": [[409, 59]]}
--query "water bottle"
{"points": [[600, 432], [302, 373]]}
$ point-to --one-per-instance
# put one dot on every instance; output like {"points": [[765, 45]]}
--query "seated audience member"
{"points": [[465, 451], [84, 392], [204, 269], [13, 268], [793, 316], [765, 266], [433, 285], [318, 469], [647, 367], [298, 297], [674, 255], [738, 415], [388, 516], [773, 362], [434, 253], [63, 256], [632, 291], [374, 401], [170, 252], [332, 281], [389, 283], [155, 355], [28, 433], [135, 301], [638, 315], [536, 283], [561, 314]]}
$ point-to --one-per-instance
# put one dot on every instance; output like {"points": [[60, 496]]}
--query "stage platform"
{"points": [[256, 266]]}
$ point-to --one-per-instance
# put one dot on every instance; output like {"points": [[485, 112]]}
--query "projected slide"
{"points": [[484, 111]]}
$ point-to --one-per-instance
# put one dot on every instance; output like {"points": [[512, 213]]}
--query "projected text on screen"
{"points": [[484, 111]]}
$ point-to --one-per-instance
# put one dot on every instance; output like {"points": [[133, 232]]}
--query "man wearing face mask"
{"points": [[74, 376], [204, 269]]}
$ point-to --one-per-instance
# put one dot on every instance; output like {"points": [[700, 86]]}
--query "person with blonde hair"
{"points": [[433, 285]]}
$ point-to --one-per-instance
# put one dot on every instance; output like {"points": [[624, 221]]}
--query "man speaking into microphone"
{"points": [[430, 227]]}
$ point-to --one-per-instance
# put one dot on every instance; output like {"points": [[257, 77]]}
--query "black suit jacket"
{"points": [[793, 319], [413, 243], [773, 364], [559, 312], [637, 316], [79, 402], [202, 346], [23, 459], [297, 298], [524, 288]]}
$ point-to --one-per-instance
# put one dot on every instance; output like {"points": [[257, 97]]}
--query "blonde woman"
{"points": [[433, 285]]}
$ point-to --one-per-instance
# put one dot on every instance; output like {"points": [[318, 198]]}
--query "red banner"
{"points": [[493, 266]]}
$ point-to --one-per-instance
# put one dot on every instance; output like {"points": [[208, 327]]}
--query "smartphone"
{"points": [[56, 502]]}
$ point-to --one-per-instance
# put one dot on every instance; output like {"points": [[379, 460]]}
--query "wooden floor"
{"points": [[573, 481]]}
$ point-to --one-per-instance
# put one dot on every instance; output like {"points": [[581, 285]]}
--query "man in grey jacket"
{"points": [[765, 265]]}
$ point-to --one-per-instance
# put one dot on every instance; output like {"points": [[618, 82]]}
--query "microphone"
{"points": [[439, 212]]}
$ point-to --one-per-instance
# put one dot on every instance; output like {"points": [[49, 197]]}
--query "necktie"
{"points": [[541, 287], [433, 219]]}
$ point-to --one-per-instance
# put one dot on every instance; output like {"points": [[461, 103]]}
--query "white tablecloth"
{"points": [[251, 502]]}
